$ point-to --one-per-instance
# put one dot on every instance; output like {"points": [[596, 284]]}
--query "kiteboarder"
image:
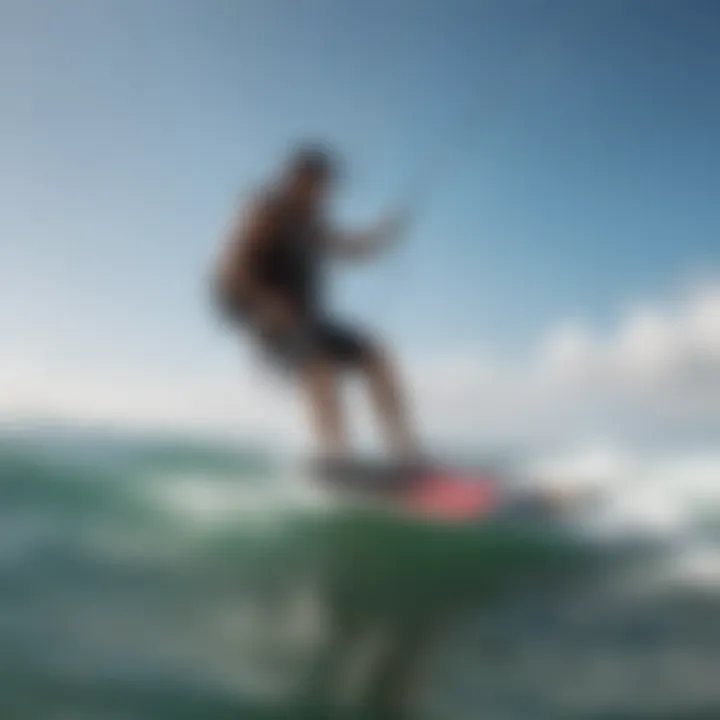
{"points": [[269, 283]]}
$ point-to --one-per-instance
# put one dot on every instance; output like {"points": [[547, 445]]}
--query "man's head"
{"points": [[309, 174]]}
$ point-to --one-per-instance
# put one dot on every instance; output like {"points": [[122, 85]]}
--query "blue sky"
{"points": [[575, 143]]}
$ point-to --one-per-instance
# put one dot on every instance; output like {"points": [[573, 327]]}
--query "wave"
{"points": [[152, 577]]}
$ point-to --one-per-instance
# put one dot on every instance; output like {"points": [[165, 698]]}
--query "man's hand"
{"points": [[394, 225]]}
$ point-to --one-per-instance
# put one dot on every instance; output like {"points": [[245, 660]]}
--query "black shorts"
{"points": [[326, 338]]}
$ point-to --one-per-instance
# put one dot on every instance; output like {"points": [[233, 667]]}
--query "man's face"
{"points": [[310, 189]]}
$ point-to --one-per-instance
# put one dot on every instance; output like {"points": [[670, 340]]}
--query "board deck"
{"points": [[441, 493]]}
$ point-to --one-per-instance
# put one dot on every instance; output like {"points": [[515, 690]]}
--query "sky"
{"points": [[570, 226]]}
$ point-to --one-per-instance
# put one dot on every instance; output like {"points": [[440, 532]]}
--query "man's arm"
{"points": [[365, 244]]}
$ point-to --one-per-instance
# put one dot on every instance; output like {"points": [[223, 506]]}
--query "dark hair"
{"points": [[314, 160]]}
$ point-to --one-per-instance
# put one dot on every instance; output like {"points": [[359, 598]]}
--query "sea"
{"points": [[150, 576]]}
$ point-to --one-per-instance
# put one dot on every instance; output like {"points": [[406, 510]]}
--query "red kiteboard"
{"points": [[435, 493], [452, 495]]}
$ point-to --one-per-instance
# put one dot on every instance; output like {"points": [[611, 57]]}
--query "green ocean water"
{"points": [[150, 578]]}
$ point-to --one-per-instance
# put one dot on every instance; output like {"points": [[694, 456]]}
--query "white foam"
{"points": [[209, 498], [673, 496]]}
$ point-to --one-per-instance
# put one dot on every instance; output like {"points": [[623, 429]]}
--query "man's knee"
{"points": [[375, 355], [319, 368]]}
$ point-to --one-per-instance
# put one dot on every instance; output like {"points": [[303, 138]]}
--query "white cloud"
{"points": [[656, 374], [227, 403]]}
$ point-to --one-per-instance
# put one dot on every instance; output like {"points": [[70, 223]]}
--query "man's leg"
{"points": [[320, 380], [389, 402], [344, 348]]}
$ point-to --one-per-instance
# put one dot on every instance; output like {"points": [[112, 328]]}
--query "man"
{"points": [[269, 282]]}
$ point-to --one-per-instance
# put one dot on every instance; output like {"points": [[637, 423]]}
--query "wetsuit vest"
{"points": [[289, 263]]}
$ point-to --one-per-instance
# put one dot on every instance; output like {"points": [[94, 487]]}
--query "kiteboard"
{"points": [[432, 492]]}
